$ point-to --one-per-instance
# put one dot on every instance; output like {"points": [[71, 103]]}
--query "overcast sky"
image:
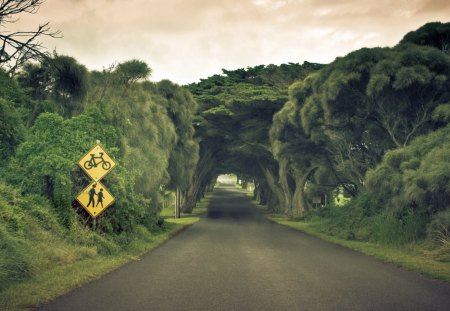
{"points": [[185, 40]]}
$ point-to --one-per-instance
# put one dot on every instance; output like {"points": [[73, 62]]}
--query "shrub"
{"points": [[438, 229], [14, 264]]}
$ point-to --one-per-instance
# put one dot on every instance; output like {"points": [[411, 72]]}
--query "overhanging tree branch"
{"points": [[18, 47]]}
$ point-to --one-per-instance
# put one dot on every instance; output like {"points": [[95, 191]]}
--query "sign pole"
{"points": [[95, 198], [177, 203]]}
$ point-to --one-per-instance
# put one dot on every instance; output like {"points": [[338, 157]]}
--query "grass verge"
{"points": [[53, 280], [411, 257]]}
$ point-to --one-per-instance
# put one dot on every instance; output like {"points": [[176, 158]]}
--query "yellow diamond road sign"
{"points": [[96, 163], [95, 198]]}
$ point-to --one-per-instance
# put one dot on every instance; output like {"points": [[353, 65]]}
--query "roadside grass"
{"points": [[169, 212], [412, 256], [59, 266]]}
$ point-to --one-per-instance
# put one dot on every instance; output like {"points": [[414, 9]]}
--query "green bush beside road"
{"points": [[41, 259]]}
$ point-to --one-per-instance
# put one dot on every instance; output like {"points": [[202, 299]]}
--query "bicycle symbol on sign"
{"points": [[93, 163]]}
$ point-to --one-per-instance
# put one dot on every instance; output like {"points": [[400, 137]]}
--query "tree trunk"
{"points": [[299, 202], [276, 201], [283, 181], [204, 167], [178, 203]]}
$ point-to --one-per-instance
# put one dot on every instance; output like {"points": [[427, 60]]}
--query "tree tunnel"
{"points": [[234, 126], [303, 132]]}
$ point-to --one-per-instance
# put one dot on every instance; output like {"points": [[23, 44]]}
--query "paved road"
{"points": [[233, 259]]}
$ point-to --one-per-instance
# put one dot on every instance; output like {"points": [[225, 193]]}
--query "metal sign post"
{"points": [[95, 198]]}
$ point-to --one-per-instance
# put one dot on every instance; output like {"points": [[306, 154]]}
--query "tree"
{"points": [[298, 156], [236, 111], [336, 113], [404, 89], [12, 111], [181, 108], [434, 34], [373, 100], [58, 84], [17, 47], [68, 84], [411, 184], [146, 133], [132, 71], [11, 131]]}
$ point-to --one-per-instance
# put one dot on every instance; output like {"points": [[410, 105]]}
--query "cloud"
{"points": [[185, 40]]}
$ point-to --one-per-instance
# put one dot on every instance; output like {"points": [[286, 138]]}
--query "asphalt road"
{"points": [[233, 259]]}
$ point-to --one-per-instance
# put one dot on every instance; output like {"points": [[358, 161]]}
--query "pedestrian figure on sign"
{"points": [[100, 196], [92, 195]]}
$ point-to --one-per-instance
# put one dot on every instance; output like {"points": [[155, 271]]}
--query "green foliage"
{"points": [[368, 102], [32, 235], [46, 162], [408, 188], [132, 71], [14, 265], [69, 83], [59, 84], [12, 111], [415, 176], [438, 229], [406, 198], [237, 109], [145, 131], [11, 91], [397, 228], [147, 128], [435, 34], [269, 75], [181, 108], [12, 131], [442, 113], [143, 126]]}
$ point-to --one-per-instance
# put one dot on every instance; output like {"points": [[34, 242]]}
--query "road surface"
{"points": [[234, 259]]}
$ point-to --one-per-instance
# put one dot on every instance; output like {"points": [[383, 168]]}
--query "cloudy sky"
{"points": [[186, 40]]}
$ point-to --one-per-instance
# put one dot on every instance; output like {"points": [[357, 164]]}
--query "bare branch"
{"points": [[21, 46]]}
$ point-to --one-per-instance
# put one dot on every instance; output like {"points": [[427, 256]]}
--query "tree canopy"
{"points": [[435, 34]]}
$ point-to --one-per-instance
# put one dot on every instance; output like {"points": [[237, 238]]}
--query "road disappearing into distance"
{"points": [[235, 259]]}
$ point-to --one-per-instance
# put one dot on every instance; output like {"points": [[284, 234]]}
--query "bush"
{"points": [[14, 264], [438, 229], [46, 163], [410, 185], [397, 228]]}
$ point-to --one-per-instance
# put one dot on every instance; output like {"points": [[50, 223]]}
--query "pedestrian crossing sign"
{"points": [[95, 198]]}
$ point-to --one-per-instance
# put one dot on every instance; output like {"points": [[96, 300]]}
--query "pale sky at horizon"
{"points": [[184, 41]]}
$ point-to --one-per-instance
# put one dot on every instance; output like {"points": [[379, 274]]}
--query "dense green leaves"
{"points": [[434, 34], [146, 127], [58, 84], [181, 109], [236, 111], [50, 154], [132, 71], [416, 176], [12, 131]]}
